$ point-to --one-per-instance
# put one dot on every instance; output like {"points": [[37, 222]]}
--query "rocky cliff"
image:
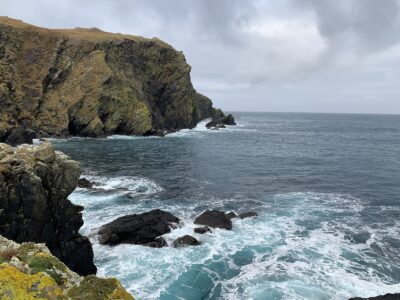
{"points": [[34, 184], [29, 271], [88, 82]]}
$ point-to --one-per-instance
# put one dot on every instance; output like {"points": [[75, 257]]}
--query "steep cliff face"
{"points": [[30, 271], [91, 83], [34, 184]]}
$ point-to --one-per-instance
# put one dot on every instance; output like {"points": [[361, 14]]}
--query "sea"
{"points": [[326, 188]]}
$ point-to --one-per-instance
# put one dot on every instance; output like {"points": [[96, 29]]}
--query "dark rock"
{"points": [[19, 135], [154, 132], [231, 215], [202, 230], [221, 121], [214, 218], [157, 243], [140, 229], [384, 297], [35, 182], [248, 215], [84, 183], [186, 240]]}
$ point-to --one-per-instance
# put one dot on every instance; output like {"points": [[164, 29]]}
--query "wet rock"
{"points": [[249, 214], [35, 182], [220, 121], [215, 219], [384, 297], [202, 230], [85, 183], [140, 229], [157, 243], [186, 240], [231, 215]]}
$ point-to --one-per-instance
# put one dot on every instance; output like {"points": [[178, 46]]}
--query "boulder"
{"points": [[248, 215], [140, 229], [85, 183], [18, 135], [220, 121], [215, 219], [157, 243], [35, 182], [202, 230], [186, 240]]}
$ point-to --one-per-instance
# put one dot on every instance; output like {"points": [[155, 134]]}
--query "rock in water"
{"points": [[220, 121], [84, 183], [142, 229], [30, 271], [214, 218], [249, 214], [96, 83], [231, 215], [35, 182], [202, 230], [186, 240], [384, 297]]}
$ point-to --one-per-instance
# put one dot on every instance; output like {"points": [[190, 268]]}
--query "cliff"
{"points": [[34, 184], [88, 82], [29, 271]]}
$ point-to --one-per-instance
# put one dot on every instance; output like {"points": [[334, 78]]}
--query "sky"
{"points": [[338, 56]]}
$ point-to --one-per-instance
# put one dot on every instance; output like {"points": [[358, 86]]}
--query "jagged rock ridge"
{"points": [[34, 184], [92, 83]]}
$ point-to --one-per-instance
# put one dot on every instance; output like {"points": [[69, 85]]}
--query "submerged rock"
{"points": [[141, 229], [202, 230], [186, 240], [214, 218], [96, 84], [249, 214], [30, 271], [35, 182]]}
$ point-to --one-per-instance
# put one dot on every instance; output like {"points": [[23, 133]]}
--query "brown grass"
{"points": [[9, 253]]}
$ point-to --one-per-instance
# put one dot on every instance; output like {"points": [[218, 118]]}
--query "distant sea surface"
{"points": [[326, 188]]}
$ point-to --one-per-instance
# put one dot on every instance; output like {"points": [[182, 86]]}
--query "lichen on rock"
{"points": [[30, 271], [92, 83], [35, 182]]}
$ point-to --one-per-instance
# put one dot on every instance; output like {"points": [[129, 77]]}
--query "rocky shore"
{"points": [[30, 271], [35, 182], [87, 82]]}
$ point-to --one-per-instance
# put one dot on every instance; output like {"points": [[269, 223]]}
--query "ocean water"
{"points": [[326, 188]]}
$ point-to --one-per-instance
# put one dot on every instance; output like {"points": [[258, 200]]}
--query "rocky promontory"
{"points": [[35, 182], [87, 82], [30, 271]]}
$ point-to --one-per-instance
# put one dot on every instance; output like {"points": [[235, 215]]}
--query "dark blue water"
{"points": [[326, 187]]}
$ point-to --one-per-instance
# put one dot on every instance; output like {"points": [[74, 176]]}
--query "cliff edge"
{"points": [[34, 184], [87, 82]]}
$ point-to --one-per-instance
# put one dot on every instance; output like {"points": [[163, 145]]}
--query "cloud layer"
{"points": [[282, 55]]}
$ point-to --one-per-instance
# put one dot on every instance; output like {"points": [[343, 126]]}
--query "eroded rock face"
{"points": [[92, 83], [214, 218], [141, 229], [35, 182], [30, 271]]}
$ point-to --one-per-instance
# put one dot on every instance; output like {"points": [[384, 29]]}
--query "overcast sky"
{"points": [[259, 55]]}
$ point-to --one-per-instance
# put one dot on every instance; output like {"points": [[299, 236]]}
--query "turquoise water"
{"points": [[326, 188]]}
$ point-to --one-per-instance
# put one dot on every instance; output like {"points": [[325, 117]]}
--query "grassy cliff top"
{"points": [[89, 34]]}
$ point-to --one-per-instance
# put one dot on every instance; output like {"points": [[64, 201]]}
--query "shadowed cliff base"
{"points": [[87, 82]]}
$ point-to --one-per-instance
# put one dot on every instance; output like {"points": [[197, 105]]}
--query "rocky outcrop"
{"points": [[214, 218], [30, 271], [88, 82], [202, 230], [34, 184], [220, 121], [186, 240], [141, 229], [249, 214]]}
